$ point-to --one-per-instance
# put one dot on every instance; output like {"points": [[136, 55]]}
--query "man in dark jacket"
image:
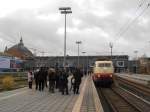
{"points": [[52, 79], [77, 76], [45, 76], [41, 79], [57, 78], [36, 74], [64, 82]]}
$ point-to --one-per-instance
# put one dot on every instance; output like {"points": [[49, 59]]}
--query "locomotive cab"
{"points": [[103, 72]]}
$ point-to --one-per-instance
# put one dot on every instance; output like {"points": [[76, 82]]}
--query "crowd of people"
{"points": [[56, 79]]}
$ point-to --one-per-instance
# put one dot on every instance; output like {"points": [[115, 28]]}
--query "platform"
{"points": [[25, 100], [139, 78]]}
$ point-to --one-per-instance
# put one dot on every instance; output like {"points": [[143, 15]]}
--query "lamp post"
{"points": [[111, 46], [65, 11], [136, 52], [83, 63], [78, 42]]}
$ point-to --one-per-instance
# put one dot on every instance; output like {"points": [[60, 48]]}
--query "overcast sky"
{"points": [[94, 22]]}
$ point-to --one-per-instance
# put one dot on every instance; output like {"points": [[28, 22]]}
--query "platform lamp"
{"points": [[65, 11], [111, 47], [78, 43], [83, 62]]}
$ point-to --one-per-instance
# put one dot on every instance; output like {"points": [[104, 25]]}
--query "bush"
{"points": [[8, 82]]}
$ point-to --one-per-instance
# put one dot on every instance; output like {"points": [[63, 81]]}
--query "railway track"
{"points": [[121, 101], [134, 87]]}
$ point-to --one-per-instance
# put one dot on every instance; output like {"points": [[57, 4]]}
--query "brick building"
{"points": [[19, 51]]}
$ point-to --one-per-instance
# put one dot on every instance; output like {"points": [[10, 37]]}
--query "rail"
{"points": [[122, 101], [139, 89]]}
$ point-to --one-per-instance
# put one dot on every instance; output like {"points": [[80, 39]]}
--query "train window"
{"points": [[104, 65], [101, 65], [107, 65]]}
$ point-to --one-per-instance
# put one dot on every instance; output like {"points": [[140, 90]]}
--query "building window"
{"points": [[120, 63]]}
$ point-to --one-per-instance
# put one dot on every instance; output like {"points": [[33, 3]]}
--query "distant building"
{"points": [[144, 66], [86, 62], [133, 66], [19, 50]]}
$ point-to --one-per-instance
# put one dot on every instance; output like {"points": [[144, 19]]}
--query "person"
{"points": [[36, 74], [57, 78], [77, 76], [72, 82], [45, 76], [64, 82], [30, 79], [41, 79], [52, 78]]}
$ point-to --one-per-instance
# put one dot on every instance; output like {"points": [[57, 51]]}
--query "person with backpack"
{"points": [[52, 79]]}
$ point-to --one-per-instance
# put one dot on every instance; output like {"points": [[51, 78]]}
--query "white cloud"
{"points": [[60, 31], [53, 17], [76, 21], [143, 21], [10, 6], [95, 22]]}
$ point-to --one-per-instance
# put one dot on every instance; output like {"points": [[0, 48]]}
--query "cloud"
{"points": [[94, 22]]}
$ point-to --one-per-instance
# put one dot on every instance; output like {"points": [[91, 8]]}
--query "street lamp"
{"points": [[111, 46], [78, 42], [65, 11], [136, 52], [83, 63]]}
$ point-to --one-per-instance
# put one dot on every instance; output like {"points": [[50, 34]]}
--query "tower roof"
{"points": [[21, 42], [19, 50]]}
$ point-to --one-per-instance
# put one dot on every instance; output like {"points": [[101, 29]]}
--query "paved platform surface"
{"points": [[26, 100], [88, 104], [139, 78]]}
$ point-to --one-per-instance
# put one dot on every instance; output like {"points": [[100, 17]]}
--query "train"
{"points": [[103, 73]]}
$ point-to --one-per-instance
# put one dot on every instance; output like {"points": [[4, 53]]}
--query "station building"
{"points": [[121, 62], [13, 58], [85, 62], [19, 51]]}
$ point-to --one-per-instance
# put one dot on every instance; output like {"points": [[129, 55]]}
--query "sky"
{"points": [[97, 23]]}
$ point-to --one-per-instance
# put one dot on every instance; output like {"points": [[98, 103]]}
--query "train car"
{"points": [[102, 73]]}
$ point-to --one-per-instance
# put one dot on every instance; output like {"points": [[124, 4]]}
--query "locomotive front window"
{"points": [[107, 65], [101, 65], [104, 65]]}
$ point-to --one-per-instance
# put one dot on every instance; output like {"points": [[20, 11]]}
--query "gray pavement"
{"points": [[26, 100], [35, 101], [88, 104]]}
